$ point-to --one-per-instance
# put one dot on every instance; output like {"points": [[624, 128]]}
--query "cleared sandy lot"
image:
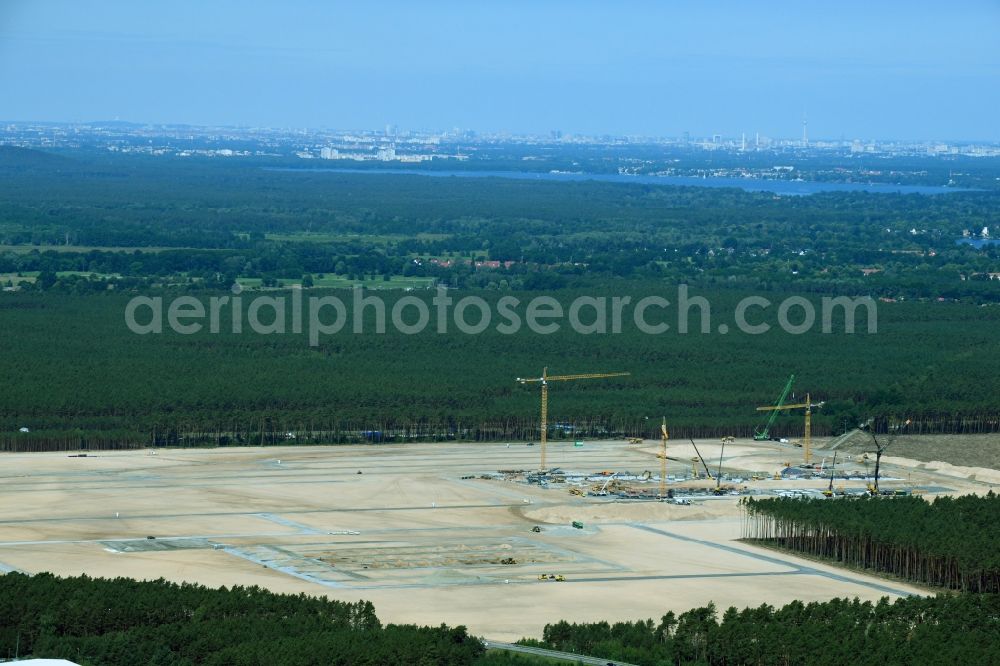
{"points": [[408, 533]]}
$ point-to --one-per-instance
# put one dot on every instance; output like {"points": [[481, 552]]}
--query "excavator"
{"points": [[829, 491], [880, 448], [708, 472], [718, 490]]}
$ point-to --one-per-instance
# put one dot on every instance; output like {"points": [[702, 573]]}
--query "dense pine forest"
{"points": [[950, 542], [958, 629], [122, 621], [76, 376]]}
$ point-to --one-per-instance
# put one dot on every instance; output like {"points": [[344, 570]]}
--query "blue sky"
{"points": [[870, 69]]}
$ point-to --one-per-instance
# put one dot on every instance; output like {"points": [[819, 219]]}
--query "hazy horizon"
{"points": [[914, 71]]}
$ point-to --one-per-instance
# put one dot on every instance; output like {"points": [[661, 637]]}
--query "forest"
{"points": [[123, 621], [947, 629], [951, 542], [82, 224], [80, 235], [77, 377]]}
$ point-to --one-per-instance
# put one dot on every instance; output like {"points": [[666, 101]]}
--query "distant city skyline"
{"points": [[744, 142], [903, 71]]}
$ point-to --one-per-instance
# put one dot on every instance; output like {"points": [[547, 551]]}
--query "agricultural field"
{"points": [[15, 279], [320, 237], [333, 281]]}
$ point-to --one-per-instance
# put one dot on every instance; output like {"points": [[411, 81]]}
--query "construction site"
{"points": [[500, 537]]}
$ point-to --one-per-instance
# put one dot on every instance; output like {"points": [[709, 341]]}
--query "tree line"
{"points": [[123, 621], [950, 542], [75, 374], [947, 629]]}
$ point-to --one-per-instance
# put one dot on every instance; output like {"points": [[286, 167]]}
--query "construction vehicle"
{"points": [[577, 524], [635, 440], [829, 490], [576, 491], [880, 448], [560, 578], [603, 490], [694, 467], [722, 451], [703, 463], [544, 381], [536, 529], [808, 406], [763, 432], [664, 436]]}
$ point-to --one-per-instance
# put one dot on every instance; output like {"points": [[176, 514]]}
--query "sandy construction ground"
{"points": [[412, 535]]}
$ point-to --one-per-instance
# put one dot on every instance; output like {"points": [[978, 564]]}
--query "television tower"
{"points": [[805, 130]]}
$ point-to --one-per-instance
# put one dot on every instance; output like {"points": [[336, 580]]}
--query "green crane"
{"points": [[763, 432]]}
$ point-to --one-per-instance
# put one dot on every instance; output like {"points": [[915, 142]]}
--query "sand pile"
{"points": [[982, 474]]}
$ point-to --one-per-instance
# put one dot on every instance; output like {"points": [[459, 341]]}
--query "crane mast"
{"points": [[763, 432], [807, 438], [663, 458], [703, 463], [544, 381], [718, 476]]}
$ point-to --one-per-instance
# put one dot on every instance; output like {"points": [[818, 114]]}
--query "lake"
{"points": [[789, 187]]}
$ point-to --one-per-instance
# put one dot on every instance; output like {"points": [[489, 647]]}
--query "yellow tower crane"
{"points": [[807, 439], [663, 459], [544, 381]]}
